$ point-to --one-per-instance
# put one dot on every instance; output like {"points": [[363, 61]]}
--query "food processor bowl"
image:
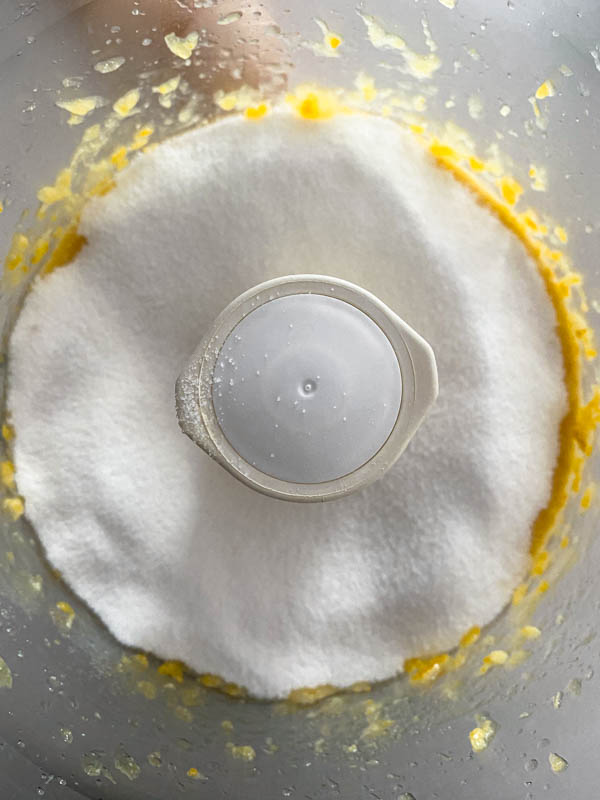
{"points": [[84, 717]]}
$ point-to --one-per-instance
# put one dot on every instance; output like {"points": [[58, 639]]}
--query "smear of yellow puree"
{"points": [[577, 427]]}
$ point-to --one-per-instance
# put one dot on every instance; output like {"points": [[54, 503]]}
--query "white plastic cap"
{"points": [[307, 388]]}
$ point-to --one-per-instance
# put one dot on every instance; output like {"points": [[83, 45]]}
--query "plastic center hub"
{"points": [[307, 388]]}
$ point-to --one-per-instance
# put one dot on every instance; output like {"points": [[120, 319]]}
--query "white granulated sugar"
{"points": [[174, 554]]}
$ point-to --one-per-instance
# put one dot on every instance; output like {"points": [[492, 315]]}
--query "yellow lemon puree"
{"points": [[182, 47], [330, 43], [482, 735]]}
